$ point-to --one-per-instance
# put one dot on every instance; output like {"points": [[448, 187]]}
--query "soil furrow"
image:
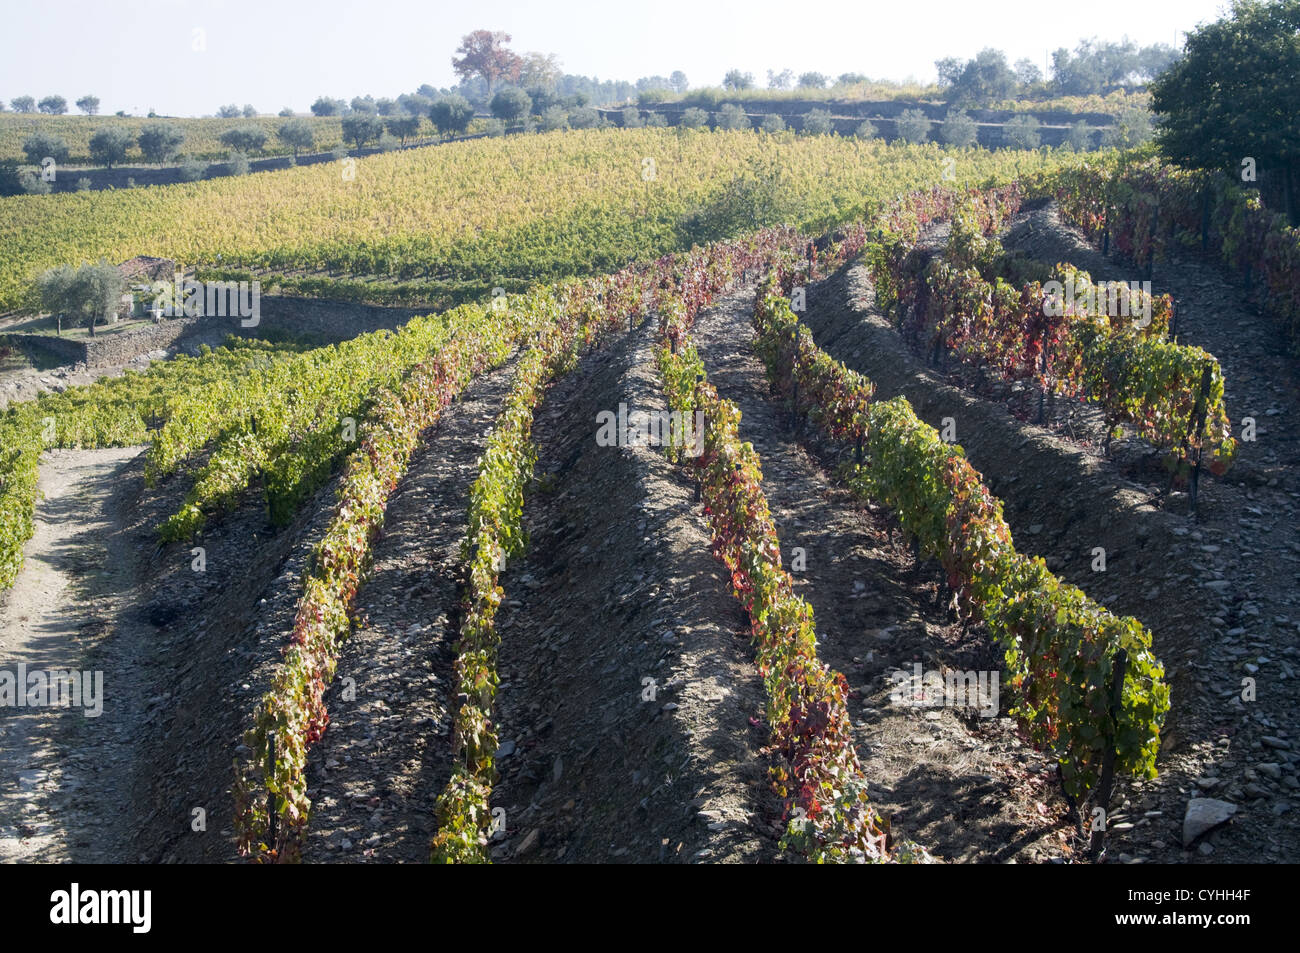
{"points": [[957, 782], [383, 761], [630, 711]]}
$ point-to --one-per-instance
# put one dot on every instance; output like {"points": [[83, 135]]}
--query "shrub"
{"points": [[192, 170], [1079, 138], [1021, 132], [913, 126], [556, 117], [731, 116], [694, 118], [33, 184], [584, 117], [817, 122], [772, 123], [958, 129]]}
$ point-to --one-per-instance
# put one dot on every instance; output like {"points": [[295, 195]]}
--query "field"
{"points": [[753, 498]]}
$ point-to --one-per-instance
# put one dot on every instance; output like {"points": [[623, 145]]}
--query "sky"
{"points": [[188, 57]]}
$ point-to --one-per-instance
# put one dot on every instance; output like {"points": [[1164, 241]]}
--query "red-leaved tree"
{"points": [[484, 53]]}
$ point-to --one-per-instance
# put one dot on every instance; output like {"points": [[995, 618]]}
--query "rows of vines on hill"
{"points": [[528, 207]]}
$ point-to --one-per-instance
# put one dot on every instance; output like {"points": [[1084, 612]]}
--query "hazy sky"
{"points": [[138, 54]]}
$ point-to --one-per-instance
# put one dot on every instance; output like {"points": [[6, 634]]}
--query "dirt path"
{"points": [[386, 756], [958, 783], [631, 713], [62, 773]]}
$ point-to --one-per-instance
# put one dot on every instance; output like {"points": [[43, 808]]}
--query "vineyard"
{"points": [[202, 136], [891, 424]]}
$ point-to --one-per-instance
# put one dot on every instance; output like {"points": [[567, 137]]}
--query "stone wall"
{"points": [[332, 320], [107, 349], [279, 316]]}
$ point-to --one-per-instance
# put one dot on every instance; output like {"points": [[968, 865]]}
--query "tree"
{"points": [[41, 144], [735, 79], [584, 117], [731, 116], [297, 134], [364, 104], [386, 107], [53, 105], [677, 79], [694, 118], [484, 53], [1027, 72], [1155, 59], [913, 126], [812, 81], [656, 120], [817, 122], [1235, 94], [249, 111], [286, 112], [23, 104], [451, 114], [324, 106], [361, 128], [89, 105], [160, 141], [949, 69], [772, 123], [1132, 128], [244, 139], [403, 126], [1021, 132], [631, 117], [540, 71], [987, 78], [1079, 138], [866, 130], [851, 79], [228, 111], [958, 129], [511, 104], [109, 145], [91, 292], [781, 80], [413, 104], [553, 119]]}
